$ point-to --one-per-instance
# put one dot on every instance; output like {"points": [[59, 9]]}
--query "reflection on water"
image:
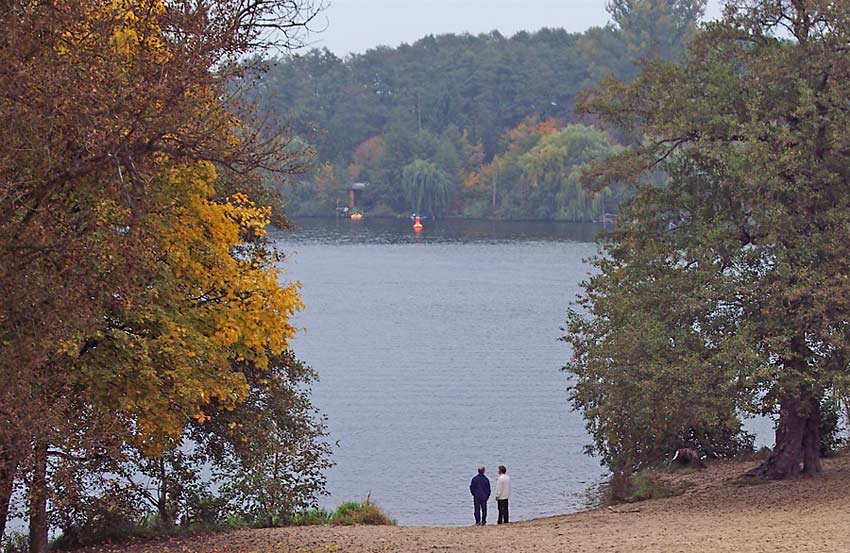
{"points": [[438, 353]]}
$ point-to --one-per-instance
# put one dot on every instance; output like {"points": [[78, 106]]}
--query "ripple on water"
{"points": [[440, 353]]}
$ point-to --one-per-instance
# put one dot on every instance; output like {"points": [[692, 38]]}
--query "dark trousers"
{"points": [[503, 510], [480, 510]]}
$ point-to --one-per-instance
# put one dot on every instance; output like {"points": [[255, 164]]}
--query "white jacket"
{"points": [[503, 487]]}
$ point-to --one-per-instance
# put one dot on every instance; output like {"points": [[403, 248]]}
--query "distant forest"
{"points": [[462, 125]]}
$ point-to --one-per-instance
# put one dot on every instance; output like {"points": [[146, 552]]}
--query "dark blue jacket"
{"points": [[480, 487]]}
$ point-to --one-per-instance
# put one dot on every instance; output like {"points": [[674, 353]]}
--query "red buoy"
{"points": [[417, 225]]}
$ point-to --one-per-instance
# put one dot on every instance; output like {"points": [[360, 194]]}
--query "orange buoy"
{"points": [[417, 225]]}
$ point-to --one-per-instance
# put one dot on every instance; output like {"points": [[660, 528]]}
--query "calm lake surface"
{"points": [[440, 352]]}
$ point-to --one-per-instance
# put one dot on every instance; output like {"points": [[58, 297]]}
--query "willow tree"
{"points": [[426, 187], [553, 166], [727, 289]]}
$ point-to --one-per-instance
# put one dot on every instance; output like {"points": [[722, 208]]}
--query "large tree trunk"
{"points": [[812, 440], [797, 447], [38, 501], [8, 470], [164, 504]]}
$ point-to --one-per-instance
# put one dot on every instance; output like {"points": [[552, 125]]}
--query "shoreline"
{"points": [[716, 513]]}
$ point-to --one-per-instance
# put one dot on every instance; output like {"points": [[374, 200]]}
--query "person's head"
{"points": [[480, 470], [502, 469]]}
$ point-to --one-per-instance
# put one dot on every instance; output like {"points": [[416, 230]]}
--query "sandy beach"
{"points": [[716, 514]]}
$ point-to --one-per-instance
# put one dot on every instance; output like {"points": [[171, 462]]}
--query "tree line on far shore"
{"points": [[484, 119]]}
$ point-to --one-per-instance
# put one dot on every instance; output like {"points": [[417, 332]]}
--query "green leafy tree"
{"points": [[426, 187], [641, 29], [656, 28], [607, 54], [262, 461], [726, 289], [537, 176], [500, 182], [271, 452], [552, 168]]}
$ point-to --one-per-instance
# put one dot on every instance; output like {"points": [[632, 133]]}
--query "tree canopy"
{"points": [[135, 274], [723, 291], [454, 100]]}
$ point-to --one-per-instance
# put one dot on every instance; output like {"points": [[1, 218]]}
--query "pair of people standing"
{"points": [[480, 490]]}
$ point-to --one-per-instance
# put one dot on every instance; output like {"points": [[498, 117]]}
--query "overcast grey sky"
{"points": [[357, 25]]}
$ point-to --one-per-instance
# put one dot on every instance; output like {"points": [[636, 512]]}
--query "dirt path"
{"points": [[715, 515]]}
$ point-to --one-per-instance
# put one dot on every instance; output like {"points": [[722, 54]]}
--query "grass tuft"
{"points": [[312, 517], [347, 514], [361, 512]]}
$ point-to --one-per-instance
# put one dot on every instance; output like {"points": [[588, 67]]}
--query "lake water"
{"points": [[440, 352]]}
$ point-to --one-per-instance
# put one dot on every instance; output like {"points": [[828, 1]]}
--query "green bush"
{"points": [[361, 512], [109, 525], [629, 488], [312, 517], [348, 513], [112, 517]]}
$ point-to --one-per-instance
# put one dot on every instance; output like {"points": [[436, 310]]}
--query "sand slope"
{"points": [[716, 515]]}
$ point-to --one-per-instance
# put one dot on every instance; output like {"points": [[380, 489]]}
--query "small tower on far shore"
{"points": [[355, 194]]}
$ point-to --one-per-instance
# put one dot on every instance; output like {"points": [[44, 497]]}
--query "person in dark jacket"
{"points": [[480, 490]]}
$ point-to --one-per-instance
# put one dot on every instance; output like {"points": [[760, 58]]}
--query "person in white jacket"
{"points": [[503, 492]]}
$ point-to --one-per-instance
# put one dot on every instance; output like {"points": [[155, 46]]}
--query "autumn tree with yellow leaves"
{"points": [[133, 288]]}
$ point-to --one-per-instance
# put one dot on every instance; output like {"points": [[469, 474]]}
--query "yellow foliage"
{"points": [[212, 299], [132, 23], [197, 295], [252, 220]]}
